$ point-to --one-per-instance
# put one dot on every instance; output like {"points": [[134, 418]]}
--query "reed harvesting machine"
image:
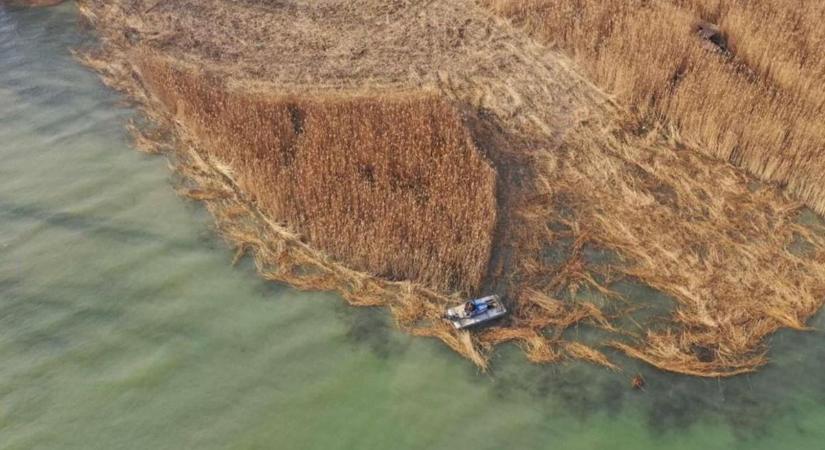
{"points": [[475, 312]]}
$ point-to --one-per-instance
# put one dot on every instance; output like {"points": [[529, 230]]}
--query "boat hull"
{"points": [[460, 320]]}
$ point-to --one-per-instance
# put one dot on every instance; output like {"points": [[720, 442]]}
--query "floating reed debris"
{"points": [[223, 167], [295, 180]]}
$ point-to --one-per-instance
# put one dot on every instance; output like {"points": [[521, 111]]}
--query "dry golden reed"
{"points": [[571, 177], [282, 255], [755, 97], [390, 184]]}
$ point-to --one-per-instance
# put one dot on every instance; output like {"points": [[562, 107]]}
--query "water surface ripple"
{"points": [[123, 325]]}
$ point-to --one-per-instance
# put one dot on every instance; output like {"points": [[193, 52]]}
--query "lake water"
{"points": [[124, 326]]}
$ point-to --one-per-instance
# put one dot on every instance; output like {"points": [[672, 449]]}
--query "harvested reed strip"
{"points": [[686, 225], [281, 255], [750, 93]]}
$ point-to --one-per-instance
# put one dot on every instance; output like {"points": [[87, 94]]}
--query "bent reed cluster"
{"points": [[351, 147], [743, 81]]}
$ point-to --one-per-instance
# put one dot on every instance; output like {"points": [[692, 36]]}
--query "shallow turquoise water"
{"points": [[123, 325]]}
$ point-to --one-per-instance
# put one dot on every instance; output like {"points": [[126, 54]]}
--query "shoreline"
{"points": [[545, 169]]}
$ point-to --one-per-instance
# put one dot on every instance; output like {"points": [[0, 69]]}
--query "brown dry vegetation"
{"points": [[571, 178], [757, 102], [391, 185]]}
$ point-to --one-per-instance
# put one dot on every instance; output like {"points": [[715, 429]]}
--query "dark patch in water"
{"points": [[599, 256], [581, 389], [704, 354], [371, 328], [558, 252], [8, 285], [750, 404], [650, 308]]}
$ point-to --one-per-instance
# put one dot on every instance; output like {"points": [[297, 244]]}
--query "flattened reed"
{"points": [[749, 92], [571, 178], [389, 184]]}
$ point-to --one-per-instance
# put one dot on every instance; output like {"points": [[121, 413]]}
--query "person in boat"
{"points": [[469, 308]]}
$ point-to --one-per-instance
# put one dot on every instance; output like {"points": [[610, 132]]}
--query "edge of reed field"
{"points": [[624, 193], [388, 183], [280, 254]]}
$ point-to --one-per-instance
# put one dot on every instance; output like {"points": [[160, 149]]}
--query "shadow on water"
{"points": [[748, 404], [372, 328], [366, 328]]}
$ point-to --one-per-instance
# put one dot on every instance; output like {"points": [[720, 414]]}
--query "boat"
{"points": [[475, 312]]}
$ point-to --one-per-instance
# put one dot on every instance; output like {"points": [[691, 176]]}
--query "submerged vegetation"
{"points": [[361, 170], [741, 80]]}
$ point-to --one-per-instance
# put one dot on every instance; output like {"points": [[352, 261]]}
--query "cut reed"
{"points": [[754, 99], [572, 177]]}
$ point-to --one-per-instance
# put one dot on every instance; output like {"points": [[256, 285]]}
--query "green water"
{"points": [[123, 325]]}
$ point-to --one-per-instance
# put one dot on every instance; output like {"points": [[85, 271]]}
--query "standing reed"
{"points": [[390, 184], [309, 185], [751, 94]]}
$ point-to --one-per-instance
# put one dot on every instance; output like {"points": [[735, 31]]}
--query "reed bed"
{"points": [[749, 91], [570, 177], [280, 252], [389, 184], [719, 245], [722, 252]]}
